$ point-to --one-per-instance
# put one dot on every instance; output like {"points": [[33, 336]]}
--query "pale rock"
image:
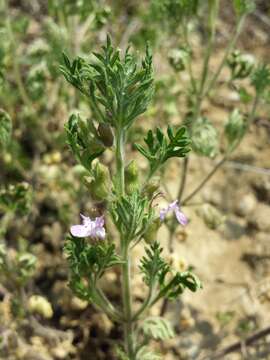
{"points": [[245, 205], [260, 219]]}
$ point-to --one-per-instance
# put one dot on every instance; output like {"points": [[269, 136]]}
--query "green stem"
{"points": [[189, 66], [120, 176], [213, 12], [128, 326], [228, 50], [145, 305], [107, 306], [126, 267], [183, 179], [15, 62]]}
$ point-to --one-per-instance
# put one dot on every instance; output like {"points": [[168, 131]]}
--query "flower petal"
{"points": [[181, 217], [79, 231], [163, 213], [99, 233]]}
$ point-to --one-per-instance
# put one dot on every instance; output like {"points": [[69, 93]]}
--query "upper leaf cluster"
{"points": [[118, 90]]}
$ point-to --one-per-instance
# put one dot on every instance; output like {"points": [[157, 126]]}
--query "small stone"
{"points": [[260, 220], [186, 320], [78, 304], [262, 188], [213, 196], [103, 323], [246, 205]]}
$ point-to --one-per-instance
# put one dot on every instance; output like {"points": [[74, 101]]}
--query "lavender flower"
{"points": [[93, 228], [180, 216]]}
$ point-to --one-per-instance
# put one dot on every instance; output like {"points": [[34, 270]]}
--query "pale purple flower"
{"points": [[93, 228], [180, 216]]}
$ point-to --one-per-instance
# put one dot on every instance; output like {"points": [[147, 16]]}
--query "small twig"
{"points": [[237, 346], [205, 180], [183, 179]]}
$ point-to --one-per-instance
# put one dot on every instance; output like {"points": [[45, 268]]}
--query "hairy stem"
{"points": [[120, 176], [126, 291], [145, 305], [128, 326]]}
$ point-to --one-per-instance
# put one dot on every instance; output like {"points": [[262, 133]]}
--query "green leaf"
{"points": [[131, 215], [5, 129], [243, 7], [157, 328], [260, 78], [152, 265], [160, 148], [91, 260], [145, 354]]}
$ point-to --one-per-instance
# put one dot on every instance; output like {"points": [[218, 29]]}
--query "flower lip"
{"points": [[89, 228], [180, 216]]}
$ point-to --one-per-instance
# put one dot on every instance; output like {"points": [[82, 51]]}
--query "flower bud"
{"points": [[40, 305], [105, 134], [150, 235], [205, 138], [243, 7], [241, 65], [100, 186], [178, 59], [131, 177], [151, 187], [235, 128]]}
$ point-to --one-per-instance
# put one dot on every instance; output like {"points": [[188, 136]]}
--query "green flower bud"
{"points": [[178, 59], [26, 265], [241, 65], [40, 305], [105, 134], [100, 186], [131, 177], [151, 187], [211, 216], [150, 235], [205, 138], [235, 128]]}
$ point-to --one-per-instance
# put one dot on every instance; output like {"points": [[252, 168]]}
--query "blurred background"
{"points": [[42, 194]]}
